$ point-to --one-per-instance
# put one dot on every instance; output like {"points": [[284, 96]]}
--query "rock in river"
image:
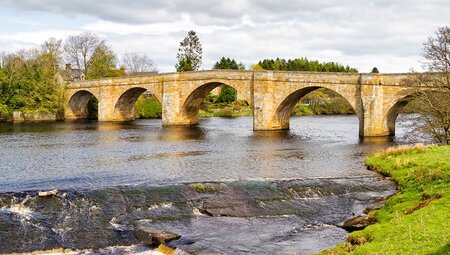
{"points": [[150, 235]]}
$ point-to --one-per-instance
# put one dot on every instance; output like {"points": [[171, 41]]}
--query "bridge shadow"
{"points": [[182, 133]]}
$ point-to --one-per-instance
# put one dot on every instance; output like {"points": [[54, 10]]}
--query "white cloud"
{"points": [[362, 34]]}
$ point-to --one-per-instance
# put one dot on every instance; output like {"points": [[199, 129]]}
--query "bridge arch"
{"points": [[124, 107], [77, 105], [285, 107], [191, 105], [396, 106]]}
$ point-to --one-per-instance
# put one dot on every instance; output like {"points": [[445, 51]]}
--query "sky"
{"points": [[387, 34]]}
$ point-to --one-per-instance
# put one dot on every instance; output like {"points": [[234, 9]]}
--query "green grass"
{"points": [[234, 109], [416, 220]]}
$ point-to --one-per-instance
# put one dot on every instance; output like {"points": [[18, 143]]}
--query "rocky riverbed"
{"points": [[260, 216]]}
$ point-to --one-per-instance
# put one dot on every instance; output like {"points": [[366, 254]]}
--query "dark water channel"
{"points": [[277, 192]]}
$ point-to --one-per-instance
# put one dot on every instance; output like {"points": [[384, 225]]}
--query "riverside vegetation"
{"points": [[321, 101], [416, 219]]}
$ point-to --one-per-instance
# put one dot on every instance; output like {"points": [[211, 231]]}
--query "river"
{"points": [[306, 181]]}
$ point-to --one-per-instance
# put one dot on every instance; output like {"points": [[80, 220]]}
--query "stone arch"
{"points": [[77, 106], [283, 111], [124, 108], [394, 111], [191, 105], [401, 100]]}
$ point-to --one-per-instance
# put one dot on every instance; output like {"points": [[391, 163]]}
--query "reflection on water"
{"points": [[86, 155]]}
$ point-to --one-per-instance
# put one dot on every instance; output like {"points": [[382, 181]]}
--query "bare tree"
{"points": [[79, 50], [436, 52], [137, 62], [434, 106]]}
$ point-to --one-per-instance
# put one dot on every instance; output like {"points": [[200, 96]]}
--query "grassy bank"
{"points": [[416, 220], [233, 109]]}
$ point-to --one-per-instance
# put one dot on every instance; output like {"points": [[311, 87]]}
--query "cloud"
{"points": [[383, 33]]}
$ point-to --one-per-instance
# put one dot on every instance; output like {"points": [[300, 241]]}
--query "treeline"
{"points": [[28, 81], [303, 64], [32, 80]]}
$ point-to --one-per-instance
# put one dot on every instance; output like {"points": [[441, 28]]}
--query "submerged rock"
{"points": [[359, 222], [48, 193]]}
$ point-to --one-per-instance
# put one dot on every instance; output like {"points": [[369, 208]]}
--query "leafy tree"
{"points": [[257, 67], [226, 63], [302, 64], [190, 53], [227, 93], [27, 81], [375, 70], [103, 64]]}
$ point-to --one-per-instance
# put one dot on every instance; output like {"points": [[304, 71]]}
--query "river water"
{"points": [[314, 171]]}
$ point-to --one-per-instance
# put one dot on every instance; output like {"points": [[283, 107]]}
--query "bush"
{"points": [[148, 107], [227, 94], [225, 112], [5, 113]]}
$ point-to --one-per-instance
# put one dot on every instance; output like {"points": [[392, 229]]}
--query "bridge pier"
{"points": [[173, 112], [264, 105], [374, 120]]}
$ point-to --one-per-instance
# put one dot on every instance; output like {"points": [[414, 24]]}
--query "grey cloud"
{"points": [[384, 31]]}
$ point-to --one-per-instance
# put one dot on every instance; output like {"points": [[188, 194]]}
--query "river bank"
{"points": [[415, 220], [148, 107], [210, 217]]}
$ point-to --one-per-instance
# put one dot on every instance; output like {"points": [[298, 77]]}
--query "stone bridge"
{"points": [[376, 98]]}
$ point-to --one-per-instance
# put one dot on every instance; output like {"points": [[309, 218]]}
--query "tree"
{"points": [[375, 70], [79, 50], [137, 63], [302, 64], [227, 93], [190, 53], [27, 82], [434, 107], [226, 63], [103, 64]]}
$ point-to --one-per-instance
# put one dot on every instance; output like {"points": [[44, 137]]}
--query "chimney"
{"points": [[69, 72]]}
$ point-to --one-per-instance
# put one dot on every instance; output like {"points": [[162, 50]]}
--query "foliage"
{"points": [[226, 63], [375, 70], [137, 63], [190, 53], [92, 108], [322, 101], [148, 107], [415, 220], [27, 82], [302, 64], [256, 67], [211, 108], [103, 64], [227, 93], [202, 188]]}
